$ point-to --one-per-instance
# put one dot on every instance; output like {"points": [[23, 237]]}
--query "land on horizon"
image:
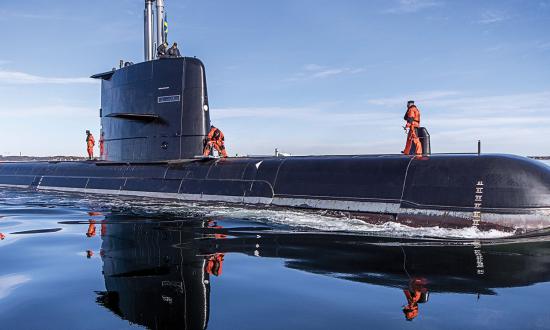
{"points": [[78, 158]]}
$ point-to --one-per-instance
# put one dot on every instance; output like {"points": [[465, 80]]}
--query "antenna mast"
{"points": [[160, 22], [149, 31], [148, 16]]}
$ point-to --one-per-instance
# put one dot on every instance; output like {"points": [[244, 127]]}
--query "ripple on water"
{"points": [[66, 207]]}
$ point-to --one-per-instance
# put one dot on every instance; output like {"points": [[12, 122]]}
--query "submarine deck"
{"points": [[456, 190]]}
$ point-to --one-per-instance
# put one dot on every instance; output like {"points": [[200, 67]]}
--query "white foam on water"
{"points": [[322, 222], [300, 220]]}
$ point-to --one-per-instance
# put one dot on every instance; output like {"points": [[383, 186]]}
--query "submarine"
{"points": [[158, 273], [155, 116]]}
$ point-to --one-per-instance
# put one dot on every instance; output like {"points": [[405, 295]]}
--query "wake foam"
{"points": [[298, 220], [277, 219]]}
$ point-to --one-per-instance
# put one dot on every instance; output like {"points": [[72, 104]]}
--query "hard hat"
{"points": [[410, 102]]}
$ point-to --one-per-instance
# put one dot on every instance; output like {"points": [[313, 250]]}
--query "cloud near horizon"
{"points": [[315, 71], [48, 111], [22, 78], [412, 6], [492, 17], [512, 123]]}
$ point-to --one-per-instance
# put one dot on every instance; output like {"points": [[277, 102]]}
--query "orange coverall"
{"points": [[414, 295], [101, 146], [91, 229], [413, 122], [411, 309], [215, 140], [90, 143], [214, 264]]}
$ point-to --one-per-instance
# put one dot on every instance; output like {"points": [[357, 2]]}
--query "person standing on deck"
{"points": [[412, 116], [102, 145], [174, 51], [90, 143], [162, 50]]}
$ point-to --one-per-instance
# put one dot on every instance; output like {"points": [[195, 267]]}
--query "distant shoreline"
{"points": [[38, 159]]}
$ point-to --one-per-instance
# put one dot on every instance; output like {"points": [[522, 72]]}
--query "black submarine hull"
{"points": [[485, 191]]}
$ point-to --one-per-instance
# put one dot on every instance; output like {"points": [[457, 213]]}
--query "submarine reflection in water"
{"points": [[157, 274], [151, 278]]}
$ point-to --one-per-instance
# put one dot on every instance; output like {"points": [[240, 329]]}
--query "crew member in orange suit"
{"points": [[412, 116], [2, 236], [90, 143], [214, 264], [102, 145], [91, 229], [215, 139], [414, 297]]}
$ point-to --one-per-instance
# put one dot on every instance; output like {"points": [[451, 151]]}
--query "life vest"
{"points": [[411, 309], [214, 264], [90, 140], [91, 229], [215, 134], [412, 116]]}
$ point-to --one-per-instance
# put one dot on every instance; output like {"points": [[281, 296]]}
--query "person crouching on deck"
{"points": [[215, 139]]}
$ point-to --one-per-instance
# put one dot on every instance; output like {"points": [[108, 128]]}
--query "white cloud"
{"points": [[4, 14], [544, 45], [511, 123], [48, 111], [419, 97], [315, 71], [8, 283], [313, 67], [498, 107], [22, 78], [412, 6], [492, 16], [445, 107], [322, 114]]}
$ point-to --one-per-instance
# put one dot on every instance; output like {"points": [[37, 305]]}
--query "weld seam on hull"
{"points": [[164, 195], [338, 205]]}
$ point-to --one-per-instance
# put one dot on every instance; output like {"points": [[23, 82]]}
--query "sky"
{"points": [[303, 76]]}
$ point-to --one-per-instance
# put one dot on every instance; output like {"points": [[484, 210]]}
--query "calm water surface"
{"points": [[75, 262]]}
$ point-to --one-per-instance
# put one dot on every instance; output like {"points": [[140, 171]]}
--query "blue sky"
{"points": [[305, 76]]}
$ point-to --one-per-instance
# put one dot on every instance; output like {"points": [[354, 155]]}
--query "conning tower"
{"points": [[156, 110]]}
